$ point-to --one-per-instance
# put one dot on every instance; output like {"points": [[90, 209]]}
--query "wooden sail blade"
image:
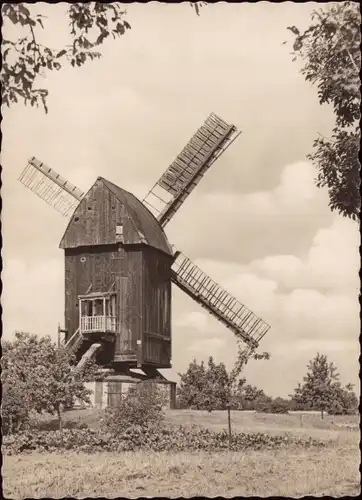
{"points": [[51, 187], [183, 175], [195, 283]]}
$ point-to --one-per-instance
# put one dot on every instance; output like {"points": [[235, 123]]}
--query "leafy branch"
{"points": [[25, 59], [330, 49]]}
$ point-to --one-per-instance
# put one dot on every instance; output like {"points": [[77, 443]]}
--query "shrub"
{"points": [[141, 406], [279, 405], [53, 425], [14, 411], [156, 439]]}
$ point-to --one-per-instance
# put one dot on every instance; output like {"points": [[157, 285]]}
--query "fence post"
{"points": [[173, 395], [229, 422], [98, 394]]}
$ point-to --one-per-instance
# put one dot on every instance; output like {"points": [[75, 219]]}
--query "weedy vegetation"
{"points": [[138, 449]]}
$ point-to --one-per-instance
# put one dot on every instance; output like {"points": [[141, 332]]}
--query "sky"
{"points": [[256, 223]]}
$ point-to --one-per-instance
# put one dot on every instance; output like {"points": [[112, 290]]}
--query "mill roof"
{"points": [[144, 224], [144, 221]]}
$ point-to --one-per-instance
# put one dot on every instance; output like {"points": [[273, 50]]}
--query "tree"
{"points": [[216, 393], [192, 384], [344, 401], [213, 387], [321, 389], [243, 356], [279, 405], [248, 397], [24, 59], [40, 377], [330, 50], [14, 405], [204, 388]]}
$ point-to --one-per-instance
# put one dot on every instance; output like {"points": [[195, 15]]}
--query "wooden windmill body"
{"points": [[118, 279], [119, 265]]}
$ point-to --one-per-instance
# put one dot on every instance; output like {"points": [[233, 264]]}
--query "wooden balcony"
{"points": [[94, 324]]}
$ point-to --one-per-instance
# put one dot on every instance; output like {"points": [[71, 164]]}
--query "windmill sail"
{"points": [[51, 187], [175, 185], [195, 283]]}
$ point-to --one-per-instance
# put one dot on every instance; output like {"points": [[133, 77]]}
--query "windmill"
{"points": [[119, 265]]}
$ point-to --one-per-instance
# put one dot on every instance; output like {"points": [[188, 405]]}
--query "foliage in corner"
{"points": [[25, 59], [330, 51], [197, 6]]}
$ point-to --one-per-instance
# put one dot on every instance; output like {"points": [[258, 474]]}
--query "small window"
{"points": [[83, 259], [76, 219], [119, 233]]}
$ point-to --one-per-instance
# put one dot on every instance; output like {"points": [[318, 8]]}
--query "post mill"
{"points": [[119, 264]]}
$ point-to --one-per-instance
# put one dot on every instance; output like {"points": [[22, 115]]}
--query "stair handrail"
{"points": [[71, 338]]}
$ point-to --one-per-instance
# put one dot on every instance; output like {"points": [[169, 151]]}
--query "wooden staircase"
{"points": [[74, 342]]}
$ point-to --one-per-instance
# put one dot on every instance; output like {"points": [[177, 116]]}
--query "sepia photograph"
{"points": [[180, 249]]}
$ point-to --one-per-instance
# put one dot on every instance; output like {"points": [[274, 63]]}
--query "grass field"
{"points": [[294, 472]]}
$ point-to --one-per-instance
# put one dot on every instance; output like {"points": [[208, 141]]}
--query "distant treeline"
{"points": [[211, 388]]}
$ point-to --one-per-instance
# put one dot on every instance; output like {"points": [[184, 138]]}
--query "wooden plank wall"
{"points": [[143, 285], [157, 292], [157, 307], [129, 293], [103, 266], [98, 269]]}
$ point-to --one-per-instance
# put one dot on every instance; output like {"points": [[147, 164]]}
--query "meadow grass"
{"points": [[293, 472]]}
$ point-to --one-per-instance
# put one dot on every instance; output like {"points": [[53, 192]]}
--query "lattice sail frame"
{"points": [[183, 175], [171, 190], [235, 316], [51, 187]]}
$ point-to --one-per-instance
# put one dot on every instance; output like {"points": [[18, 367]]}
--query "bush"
{"points": [[14, 412], [141, 406], [47, 441], [53, 425], [157, 439], [277, 405]]}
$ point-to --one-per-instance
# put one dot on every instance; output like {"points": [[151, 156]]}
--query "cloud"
{"points": [[212, 346], [332, 262], [249, 226], [195, 320], [311, 303]]}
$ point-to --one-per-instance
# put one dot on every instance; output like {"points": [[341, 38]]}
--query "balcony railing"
{"points": [[90, 324]]}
